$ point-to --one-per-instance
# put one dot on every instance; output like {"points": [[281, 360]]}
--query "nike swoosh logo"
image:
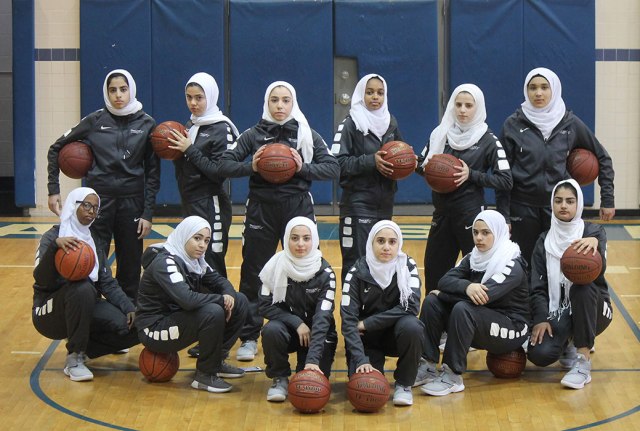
{"points": [[268, 139], [105, 127], [522, 130], [136, 219], [468, 227]]}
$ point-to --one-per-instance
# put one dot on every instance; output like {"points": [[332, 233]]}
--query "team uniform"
{"points": [[367, 195], [270, 206], [125, 174]]}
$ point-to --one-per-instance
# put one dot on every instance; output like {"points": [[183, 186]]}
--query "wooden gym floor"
{"points": [[35, 394]]}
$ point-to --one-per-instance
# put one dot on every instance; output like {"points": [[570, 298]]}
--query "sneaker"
{"points": [[210, 383], [569, 356], [247, 351], [402, 396], [229, 371], [579, 375], [278, 390], [75, 368], [194, 352], [426, 372], [446, 383]]}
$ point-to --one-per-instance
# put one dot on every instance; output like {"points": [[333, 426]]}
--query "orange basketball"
{"points": [[309, 391], [161, 144], [402, 157], [77, 264], [276, 164], [368, 392], [583, 166], [580, 268], [75, 159], [439, 172], [507, 365], [158, 367]]}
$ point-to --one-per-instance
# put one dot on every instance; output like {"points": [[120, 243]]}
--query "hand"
{"points": [[463, 175], [365, 368], [606, 214], [229, 302], [131, 316], [384, 167], [313, 367], [586, 245], [537, 334], [67, 243], [297, 158], [256, 158], [144, 228], [305, 334], [361, 328], [477, 293], [180, 142], [55, 204]]}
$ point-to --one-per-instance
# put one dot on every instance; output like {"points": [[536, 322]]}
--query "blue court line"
{"points": [[625, 314]]}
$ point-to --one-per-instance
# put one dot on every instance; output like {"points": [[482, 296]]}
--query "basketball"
{"points": [[158, 367], [439, 172], [77, 264], [161, 144], [402, 157], [583, 166], [507, 365], [368, 392], [276, 164], [580, 268], [75, 159], [309, 391]]}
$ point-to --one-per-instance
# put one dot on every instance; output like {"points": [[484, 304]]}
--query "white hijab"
{"points": [[71, 226], [383, 272], [133, 106], [459, 136], [284, 264], [305, 138], [547, 118], [494, 260], [212, 113], [375, 121], [179, 237], [559, 238]]}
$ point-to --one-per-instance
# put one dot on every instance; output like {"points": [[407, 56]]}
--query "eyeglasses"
{"points": [[89, 207]]}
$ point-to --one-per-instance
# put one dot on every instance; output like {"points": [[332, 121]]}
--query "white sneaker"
{"points": [[402, 396], [278, 390], [247, 351], [426, 372], [75, 368], [569, 356], [447, 383], [579, 375]]}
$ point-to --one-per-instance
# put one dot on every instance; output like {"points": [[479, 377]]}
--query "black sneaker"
{"points": [[209, 383], [229, 371], [194, 352]]}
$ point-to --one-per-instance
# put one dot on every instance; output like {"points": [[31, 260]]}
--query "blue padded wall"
{"points": [[398, 40], [288, 41]]}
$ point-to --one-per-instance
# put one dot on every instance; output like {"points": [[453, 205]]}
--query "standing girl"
{"points": [[380, 301], [298, 290], [367, 191], [270, 206], [125, 173], [564, 314]]}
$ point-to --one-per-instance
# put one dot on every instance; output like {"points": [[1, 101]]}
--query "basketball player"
{"points": [[482, 302], [93, 314], [125, 173], [567, 317], [270, 206]]}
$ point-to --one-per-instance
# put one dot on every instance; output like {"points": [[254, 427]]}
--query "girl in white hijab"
{"points": [[133, 105], [178, 238], [366, 120], [547, 117]]}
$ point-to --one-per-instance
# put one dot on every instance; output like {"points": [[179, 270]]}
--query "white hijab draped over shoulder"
{"points": [[71, 226], [305, 137], [284, 264], [212, 113], [459, 136], [375, 121], [547, 118], [383, 272], [178, 239], [133, 106], [559, 238], [494, 260]]}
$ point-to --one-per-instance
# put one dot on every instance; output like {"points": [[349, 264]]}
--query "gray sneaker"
{"points": [[569, 356], [579, 375], [247, 351], [426, 372], [75, 368], [402, 396], [446, 383], [229, 371], [210, 383], [278, 390]]}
